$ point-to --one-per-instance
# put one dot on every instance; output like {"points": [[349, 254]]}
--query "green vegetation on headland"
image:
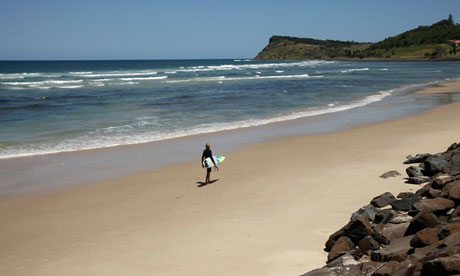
{"points": [[422, 43]]}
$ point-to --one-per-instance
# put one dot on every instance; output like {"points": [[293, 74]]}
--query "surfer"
{"points": [[208, 153]]}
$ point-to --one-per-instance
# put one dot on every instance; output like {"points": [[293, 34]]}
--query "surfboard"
{"points": [[208, 162]]}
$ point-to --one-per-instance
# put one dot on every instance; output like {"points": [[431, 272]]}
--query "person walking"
{"points": [[208, 153]]}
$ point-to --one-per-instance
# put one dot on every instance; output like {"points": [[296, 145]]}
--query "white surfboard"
{"points": [[217, 158]]}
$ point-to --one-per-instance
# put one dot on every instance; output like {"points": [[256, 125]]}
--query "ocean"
{"points": [[63, 106]]}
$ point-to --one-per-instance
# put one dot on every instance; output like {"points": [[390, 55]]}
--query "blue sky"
{"points": [[140, 29]]}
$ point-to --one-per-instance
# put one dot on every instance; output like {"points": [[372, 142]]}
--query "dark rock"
{"points": [[421, 165], [392, 268], [356, 229], [419, 235], [442, 266], [343, 265], [437, 205], [396, 251], [455, 161], [421, 253], [418, 179], [405, 194], [346, 259], [424, 189], [456, 212], [369, 267], [414, 171], [383, 200], [401, 205], [400, 218], [421, 221], [388, 215], [431, 193], [450, 244], [453, 168], [419, 158], [369, 211], [425, 237], [391, 231], [329, 244], [440, 180], [451, 156], [451, 229], [328, 271], [452, 191], [390, 174], [434, 165], [443, 234], [406, 203], [453, 147], [379, 237], [368, 243], [342, 245]]}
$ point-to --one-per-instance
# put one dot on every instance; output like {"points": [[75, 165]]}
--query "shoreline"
{"points": [[61, 170], [266, 215]]}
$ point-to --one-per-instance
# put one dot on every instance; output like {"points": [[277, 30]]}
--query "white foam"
{"points": [[256, 77], [119, 74], [226, 67], [81, 73], [122, 135], [41, 87], [144, 78], [123, 83], [279, 71], [11, 77], [102, 80], [354, 70], [41, 82], [71, 86], [28, 75], [97, 84]]}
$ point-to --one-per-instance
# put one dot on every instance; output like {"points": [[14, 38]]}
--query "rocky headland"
{"points": [[414, 233], [435, 42]]}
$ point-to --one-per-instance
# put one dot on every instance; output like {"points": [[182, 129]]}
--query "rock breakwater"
{"points": [[411, 234]]}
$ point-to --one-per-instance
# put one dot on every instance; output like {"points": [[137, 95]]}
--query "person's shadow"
{"points": [[201, 183]]}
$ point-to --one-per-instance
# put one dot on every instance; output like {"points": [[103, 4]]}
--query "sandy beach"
{"points": [[272, 208]]}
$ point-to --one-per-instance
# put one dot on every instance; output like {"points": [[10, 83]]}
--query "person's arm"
{"points": [[202, 159], [212, 158]]}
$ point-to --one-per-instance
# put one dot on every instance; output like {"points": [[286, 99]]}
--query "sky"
{"points": [[194, 29]]}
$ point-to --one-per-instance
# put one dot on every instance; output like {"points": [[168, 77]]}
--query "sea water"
{"points": [[62, 106]]}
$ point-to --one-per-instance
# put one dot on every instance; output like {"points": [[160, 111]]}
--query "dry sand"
{"points": [[270, 212]]}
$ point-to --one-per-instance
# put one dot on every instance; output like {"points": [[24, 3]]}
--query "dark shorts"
{"points": [[209, 170]]}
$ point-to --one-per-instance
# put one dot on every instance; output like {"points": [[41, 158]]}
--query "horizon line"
{"points": [[159, 59]]}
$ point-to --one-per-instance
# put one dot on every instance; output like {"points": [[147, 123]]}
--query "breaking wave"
{"points": [[123, 135]]}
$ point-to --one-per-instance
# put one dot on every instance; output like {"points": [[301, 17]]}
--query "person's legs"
{"points": [[208, 176]]}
